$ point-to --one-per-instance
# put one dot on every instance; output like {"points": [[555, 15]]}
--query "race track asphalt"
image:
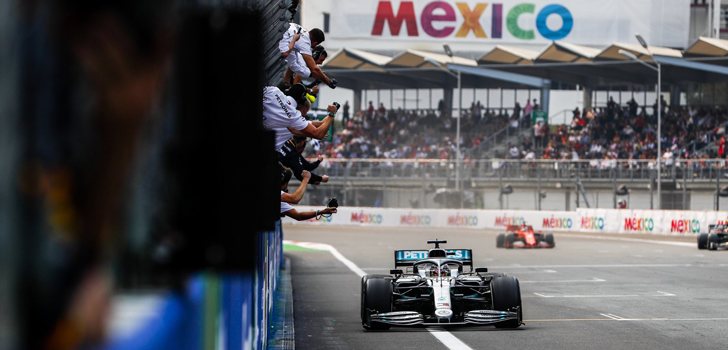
{"points": [[587, 293]]}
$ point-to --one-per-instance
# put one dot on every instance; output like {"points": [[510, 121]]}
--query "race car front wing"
{"points": [[474, 317], [399, 318]]}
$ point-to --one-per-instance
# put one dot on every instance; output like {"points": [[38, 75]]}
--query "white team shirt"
{"points": [[298, 65], [279, 114], [301, 47]]}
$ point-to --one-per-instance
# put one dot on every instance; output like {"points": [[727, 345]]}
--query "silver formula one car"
{"points": [[434, 289]]}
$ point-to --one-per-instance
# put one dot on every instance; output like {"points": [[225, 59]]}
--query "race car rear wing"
{"points": [[409, 257]]}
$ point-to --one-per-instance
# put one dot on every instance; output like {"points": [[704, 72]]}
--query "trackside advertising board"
{"points": [[599, 23], [583, 220]]}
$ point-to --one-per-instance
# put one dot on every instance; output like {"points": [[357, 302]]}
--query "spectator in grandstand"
{"points": [[285, 113], [611, 108], [513, 152], [370, 110], [632, 106], [538, 133], [529, 155], [514, 123], [476, 111], [296, 46], [381, 111], [291, 156], [345, 118], [622, 204], [288, 210], [527, 109]]}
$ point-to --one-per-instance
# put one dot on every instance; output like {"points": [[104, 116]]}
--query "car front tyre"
{"points": [[510, 239], [376, 297], [549, 239], [500, 240], [506, 294], [703, 241]]}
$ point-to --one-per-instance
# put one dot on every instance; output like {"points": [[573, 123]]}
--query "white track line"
{"points": [[593, 280], [445, 337], [449, 340], [658, 319], [587, 296], [613, 317], [672, 243], [329, 248], [666, 294], [610, 266], [659, 294], [595, 266]]}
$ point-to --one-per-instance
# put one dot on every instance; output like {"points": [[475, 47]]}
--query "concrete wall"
{"points": [[523, 198]]}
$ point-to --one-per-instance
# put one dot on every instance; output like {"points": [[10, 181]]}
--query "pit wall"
{"points": [[660, 222]]}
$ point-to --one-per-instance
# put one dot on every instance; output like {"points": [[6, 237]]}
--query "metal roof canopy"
{"points": [[514, 78], [610, 74], [602, 74], [560, 51], [708, 47], [435, 78], [414, 69], [508, 55], [356, 59], [416, 59]]}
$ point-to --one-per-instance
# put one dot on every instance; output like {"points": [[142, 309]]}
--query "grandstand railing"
{"points": [[690, 169]]}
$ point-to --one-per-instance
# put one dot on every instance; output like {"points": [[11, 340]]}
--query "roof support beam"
{"points": [[683, 63], [515, 78]]}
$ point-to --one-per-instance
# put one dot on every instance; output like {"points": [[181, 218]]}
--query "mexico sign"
{"points": [[598, 23]]}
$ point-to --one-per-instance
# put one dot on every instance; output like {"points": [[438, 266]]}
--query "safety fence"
{"points": [[633, 169], [662, 222], [215, 310]]}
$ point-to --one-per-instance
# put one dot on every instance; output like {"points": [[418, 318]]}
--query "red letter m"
{"points": [[385, 13]]}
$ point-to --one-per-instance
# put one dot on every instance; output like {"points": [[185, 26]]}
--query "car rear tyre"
{"points": [[506, 293], [549, 239], [510, 239], [712, 242], [499, 240], [376, 297], [703, 241]]}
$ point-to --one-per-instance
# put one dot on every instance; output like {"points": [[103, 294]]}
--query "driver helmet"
{"points": [[434, 272], [445, 271]]}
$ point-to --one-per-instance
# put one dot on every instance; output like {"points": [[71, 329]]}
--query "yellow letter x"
{"points": [[471, 20]]}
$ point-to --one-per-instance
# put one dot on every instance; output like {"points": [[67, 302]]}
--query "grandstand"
{"points": [[597, 109]]}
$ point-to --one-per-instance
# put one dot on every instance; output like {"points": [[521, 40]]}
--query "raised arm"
{"points": [[297, 195]]}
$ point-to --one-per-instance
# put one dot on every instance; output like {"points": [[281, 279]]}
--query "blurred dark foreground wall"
{"points": [[127, 133]]}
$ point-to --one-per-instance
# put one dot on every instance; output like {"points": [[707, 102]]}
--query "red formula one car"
{"points": [[523, 236]]}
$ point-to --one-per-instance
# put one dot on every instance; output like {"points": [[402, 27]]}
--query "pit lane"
{"points": [[613, 293]]}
